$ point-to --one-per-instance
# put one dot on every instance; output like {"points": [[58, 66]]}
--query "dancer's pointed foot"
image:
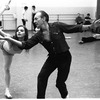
{"points": [[7, 94]]}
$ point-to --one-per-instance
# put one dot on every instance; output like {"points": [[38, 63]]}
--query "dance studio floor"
{"points": [[83, 80]]}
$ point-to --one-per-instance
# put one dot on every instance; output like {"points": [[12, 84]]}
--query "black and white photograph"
{"points": [[49, 49]]}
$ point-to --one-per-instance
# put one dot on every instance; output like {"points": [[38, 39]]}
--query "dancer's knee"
{"points": [[7, 70]]}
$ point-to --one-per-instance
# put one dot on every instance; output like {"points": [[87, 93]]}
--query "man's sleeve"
{"points": [[30, 42], [70, 28]]}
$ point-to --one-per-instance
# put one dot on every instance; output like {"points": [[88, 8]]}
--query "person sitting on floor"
{"points": [[95, 28]]}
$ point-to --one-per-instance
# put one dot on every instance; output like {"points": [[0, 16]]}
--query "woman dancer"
{"points": [[9, 49]]}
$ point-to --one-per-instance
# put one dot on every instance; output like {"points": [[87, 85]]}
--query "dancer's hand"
{"points": [[7, 7], [1, 37]]}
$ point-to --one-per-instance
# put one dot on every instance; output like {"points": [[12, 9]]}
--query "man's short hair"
{"points": [[44, 14], [88, 14], [25, 7], [33, 7]]}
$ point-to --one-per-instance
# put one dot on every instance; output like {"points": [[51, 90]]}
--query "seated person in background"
{"points": [[79, 19], [87, 19], [95, 28], [95, 37]]}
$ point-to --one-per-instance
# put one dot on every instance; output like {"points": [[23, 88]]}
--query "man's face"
{"points": [[38, 20]]}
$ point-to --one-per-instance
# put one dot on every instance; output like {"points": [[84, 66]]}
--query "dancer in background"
{"points": [[33, 14], [24, 16], [2, 10], [88, 19]]}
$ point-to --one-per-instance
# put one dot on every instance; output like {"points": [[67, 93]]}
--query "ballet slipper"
{"points": [[7, 94]]}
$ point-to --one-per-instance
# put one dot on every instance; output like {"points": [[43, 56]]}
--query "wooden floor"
{"points": [[83, 80]]}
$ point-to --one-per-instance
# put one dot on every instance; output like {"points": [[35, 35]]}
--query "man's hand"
{"points": [[86, 27]]}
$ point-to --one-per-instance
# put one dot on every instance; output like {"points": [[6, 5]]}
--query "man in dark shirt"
{"points": [[52, 38], [33, 14], [87, 19]]}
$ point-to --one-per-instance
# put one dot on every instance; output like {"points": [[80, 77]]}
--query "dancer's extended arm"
{"points": [[4, 9], [2, 33], [18, 43]]}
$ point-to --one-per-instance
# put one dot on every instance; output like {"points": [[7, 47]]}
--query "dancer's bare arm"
{"points": [[4, 9], [18, 43], [2, 33]]}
